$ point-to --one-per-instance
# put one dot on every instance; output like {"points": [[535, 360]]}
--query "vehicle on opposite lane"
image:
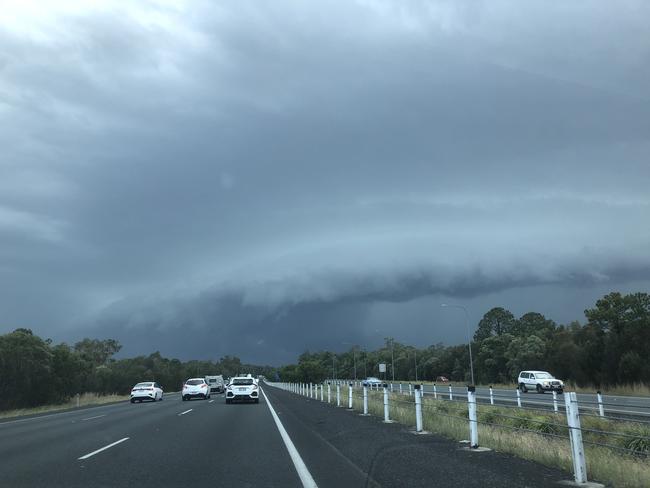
{"points": [[540, 381], [372, 381], [195, 388], [147, 390], [243, 389]]}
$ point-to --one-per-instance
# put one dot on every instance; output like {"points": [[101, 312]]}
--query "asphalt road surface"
{"points": [[208, 443]]}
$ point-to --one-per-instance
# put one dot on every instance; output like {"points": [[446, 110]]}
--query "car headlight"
{"points": [[546, 383]]}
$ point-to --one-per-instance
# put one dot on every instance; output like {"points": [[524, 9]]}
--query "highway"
{"points": [[624, 406], [302, 442]]}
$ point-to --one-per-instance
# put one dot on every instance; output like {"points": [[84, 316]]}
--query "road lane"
{"points": [[237, 445]]}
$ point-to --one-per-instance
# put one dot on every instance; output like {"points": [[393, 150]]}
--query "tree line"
{"points": [[34, 371], [608, 348]]}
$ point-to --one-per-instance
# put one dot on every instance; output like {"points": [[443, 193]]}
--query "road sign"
{"points": [[382, 367]]}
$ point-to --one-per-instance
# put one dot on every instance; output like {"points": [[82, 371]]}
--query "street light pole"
{"points": [[354, 357], [392, 358], [469, 339], [415, 359]]}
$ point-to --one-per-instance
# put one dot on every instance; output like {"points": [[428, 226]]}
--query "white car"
{"points": [[372, 381], [147, 390], [195, 388], [539, 381], [216, 383], [242, 388]]}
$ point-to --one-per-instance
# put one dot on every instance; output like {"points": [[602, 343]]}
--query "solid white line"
{"points": [[95, 417], [86, 456], [186, 411], [301, 468]]}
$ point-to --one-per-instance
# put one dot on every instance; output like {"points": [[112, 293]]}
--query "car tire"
{"points": [[184, 399], [228, 400], [539, 389], [560, 392], [257, 400], [132, 400], [523, 388]]}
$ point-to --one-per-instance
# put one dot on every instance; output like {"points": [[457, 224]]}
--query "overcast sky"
{"points": [[258, 178]]}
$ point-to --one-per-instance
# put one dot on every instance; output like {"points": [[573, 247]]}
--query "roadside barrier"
{"points": [[418, 409], [628, 438], [386, 406], [365, 399]]}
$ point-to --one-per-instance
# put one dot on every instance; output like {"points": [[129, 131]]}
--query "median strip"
{"points": [[86, 456]]}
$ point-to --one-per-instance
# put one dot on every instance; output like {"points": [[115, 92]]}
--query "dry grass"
{"points": [[450, 420], [84, 400]]}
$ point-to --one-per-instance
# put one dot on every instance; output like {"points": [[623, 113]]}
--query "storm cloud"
{"points": [[210, 178]]}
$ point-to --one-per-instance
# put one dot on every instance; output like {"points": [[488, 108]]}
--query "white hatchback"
{"points": [[148, 390], [195, 388], [242, 388]]}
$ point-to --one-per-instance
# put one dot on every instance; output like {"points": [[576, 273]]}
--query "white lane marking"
{"points": [[86, 456], [186, 411], [210, 401], [95, 417], [299, 464]]}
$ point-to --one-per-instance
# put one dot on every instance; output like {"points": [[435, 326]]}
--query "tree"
{"points": [[95, 351], [495, 322], [492, 359], [25, 369], [533, 323]]}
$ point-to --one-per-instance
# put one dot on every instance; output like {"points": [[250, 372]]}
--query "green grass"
{"points": [[449, 419], [84, 400]]}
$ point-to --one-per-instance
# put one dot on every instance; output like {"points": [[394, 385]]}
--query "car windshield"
{"points": [[242, 381], [194, 382], [143, 385]]}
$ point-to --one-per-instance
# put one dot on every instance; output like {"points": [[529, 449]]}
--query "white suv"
{"points": [[242, 388], [539, 381]]}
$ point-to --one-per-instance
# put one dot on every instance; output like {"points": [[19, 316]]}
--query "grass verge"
{"points": [[84, 400], [534, 435]]}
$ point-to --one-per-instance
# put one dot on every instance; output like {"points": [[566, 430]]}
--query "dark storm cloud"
{"points": [[277, 174]]}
